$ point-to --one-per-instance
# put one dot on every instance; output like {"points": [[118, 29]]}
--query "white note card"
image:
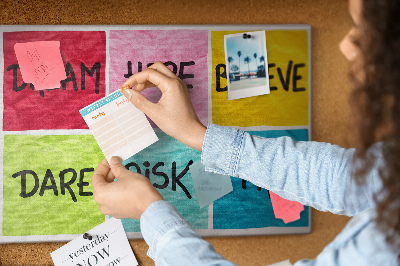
{"points": [[118, 126], [108, 247]]}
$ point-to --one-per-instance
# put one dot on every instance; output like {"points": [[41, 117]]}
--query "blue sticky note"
{"points": [[209, 186]]}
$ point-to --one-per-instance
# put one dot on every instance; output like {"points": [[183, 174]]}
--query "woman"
{"points": [[360, 182]]}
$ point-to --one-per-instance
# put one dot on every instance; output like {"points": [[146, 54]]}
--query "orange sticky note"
{"points": [[288, 211], [40, 63]]}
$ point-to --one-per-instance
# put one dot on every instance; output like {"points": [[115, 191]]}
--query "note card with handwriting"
{"points": [[41, 63], [118, 126]]}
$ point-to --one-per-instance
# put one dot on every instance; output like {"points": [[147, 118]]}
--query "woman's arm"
{"points": [[312, 173], [171, 240], [315, 174]]}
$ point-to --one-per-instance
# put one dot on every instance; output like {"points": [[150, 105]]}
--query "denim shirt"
{"points": [[312, 173]]}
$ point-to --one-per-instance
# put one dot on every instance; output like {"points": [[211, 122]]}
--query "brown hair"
{"points": [[376, 108]]}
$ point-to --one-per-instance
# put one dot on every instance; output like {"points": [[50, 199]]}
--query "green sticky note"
{"points": [[47, 184]]}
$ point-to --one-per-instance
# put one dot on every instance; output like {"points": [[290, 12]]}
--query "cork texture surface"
{"points": [[330, 22]]}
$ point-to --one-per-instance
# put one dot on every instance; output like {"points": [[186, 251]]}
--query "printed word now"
{"points": [[69, 70], [95, 258], [285, 81], [181, 75], [65, 183]]}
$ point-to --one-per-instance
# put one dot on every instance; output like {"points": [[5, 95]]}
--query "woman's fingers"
{"points": [[156, 75], [160, 67]]}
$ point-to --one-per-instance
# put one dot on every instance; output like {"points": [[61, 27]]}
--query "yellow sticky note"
{"points": [[288, 102]]}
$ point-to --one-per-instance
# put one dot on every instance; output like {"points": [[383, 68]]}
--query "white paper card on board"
{"points": [[209, 186], [282, 263], [118, 126], [246, 64], [109, 246]]}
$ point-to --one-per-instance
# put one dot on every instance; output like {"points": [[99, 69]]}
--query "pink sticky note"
{"points": [[288, 211], [40, 63]]}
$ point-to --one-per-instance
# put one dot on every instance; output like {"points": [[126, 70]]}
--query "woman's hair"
{"points": [[376, 107]]}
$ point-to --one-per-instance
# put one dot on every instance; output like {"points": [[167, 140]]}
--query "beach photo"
{"points": [[246, 64]]}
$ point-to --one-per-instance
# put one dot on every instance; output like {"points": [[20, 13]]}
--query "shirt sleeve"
{"points": [[172, 241], [312, 173]]}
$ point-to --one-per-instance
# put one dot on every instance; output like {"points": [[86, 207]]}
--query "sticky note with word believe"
{"points": [[108, 246], [41, 63], [118, 126], [209, 186]]}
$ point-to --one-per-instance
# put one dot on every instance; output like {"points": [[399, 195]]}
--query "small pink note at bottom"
{"points": [[40, 63], [288, 211]]}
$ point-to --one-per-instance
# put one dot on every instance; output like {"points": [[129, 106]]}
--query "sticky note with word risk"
{"points": [[118, 126]]}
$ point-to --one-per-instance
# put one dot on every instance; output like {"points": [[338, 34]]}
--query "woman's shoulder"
{"points": [[361, 240]]}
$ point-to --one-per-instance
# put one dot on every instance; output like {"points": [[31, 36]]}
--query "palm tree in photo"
{"points": [[230, 60], [262, 59], [239, 54], [247, 60], [255, 57]]}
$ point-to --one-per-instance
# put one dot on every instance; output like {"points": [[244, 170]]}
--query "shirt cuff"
{"points": [[159, 218], [221, 149]]}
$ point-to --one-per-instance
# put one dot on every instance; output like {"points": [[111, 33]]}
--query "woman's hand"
{"points": [[127, 197], [173, 113]]}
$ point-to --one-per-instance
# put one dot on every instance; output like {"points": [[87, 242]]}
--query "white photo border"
{"points": [[247, 92]]}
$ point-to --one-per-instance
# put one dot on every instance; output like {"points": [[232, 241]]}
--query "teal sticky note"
{"points": [[209, 186]]}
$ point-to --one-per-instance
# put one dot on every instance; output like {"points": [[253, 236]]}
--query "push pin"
{"points": [[246, 36], [87, 236], [125, 88]]}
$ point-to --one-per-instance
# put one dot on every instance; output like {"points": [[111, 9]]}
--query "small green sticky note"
{"points": [[209, 186]]}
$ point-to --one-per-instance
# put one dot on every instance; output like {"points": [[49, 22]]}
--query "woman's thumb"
{"points": [[117, 167]]}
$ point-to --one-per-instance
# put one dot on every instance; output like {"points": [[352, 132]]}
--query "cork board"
{"points": [[330, 92], [49, 197]]}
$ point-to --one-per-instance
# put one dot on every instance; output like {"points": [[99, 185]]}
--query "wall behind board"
{"points": [[330, 22]]}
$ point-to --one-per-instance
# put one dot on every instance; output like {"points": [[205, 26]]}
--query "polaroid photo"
{"points": [[246, 64]]}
